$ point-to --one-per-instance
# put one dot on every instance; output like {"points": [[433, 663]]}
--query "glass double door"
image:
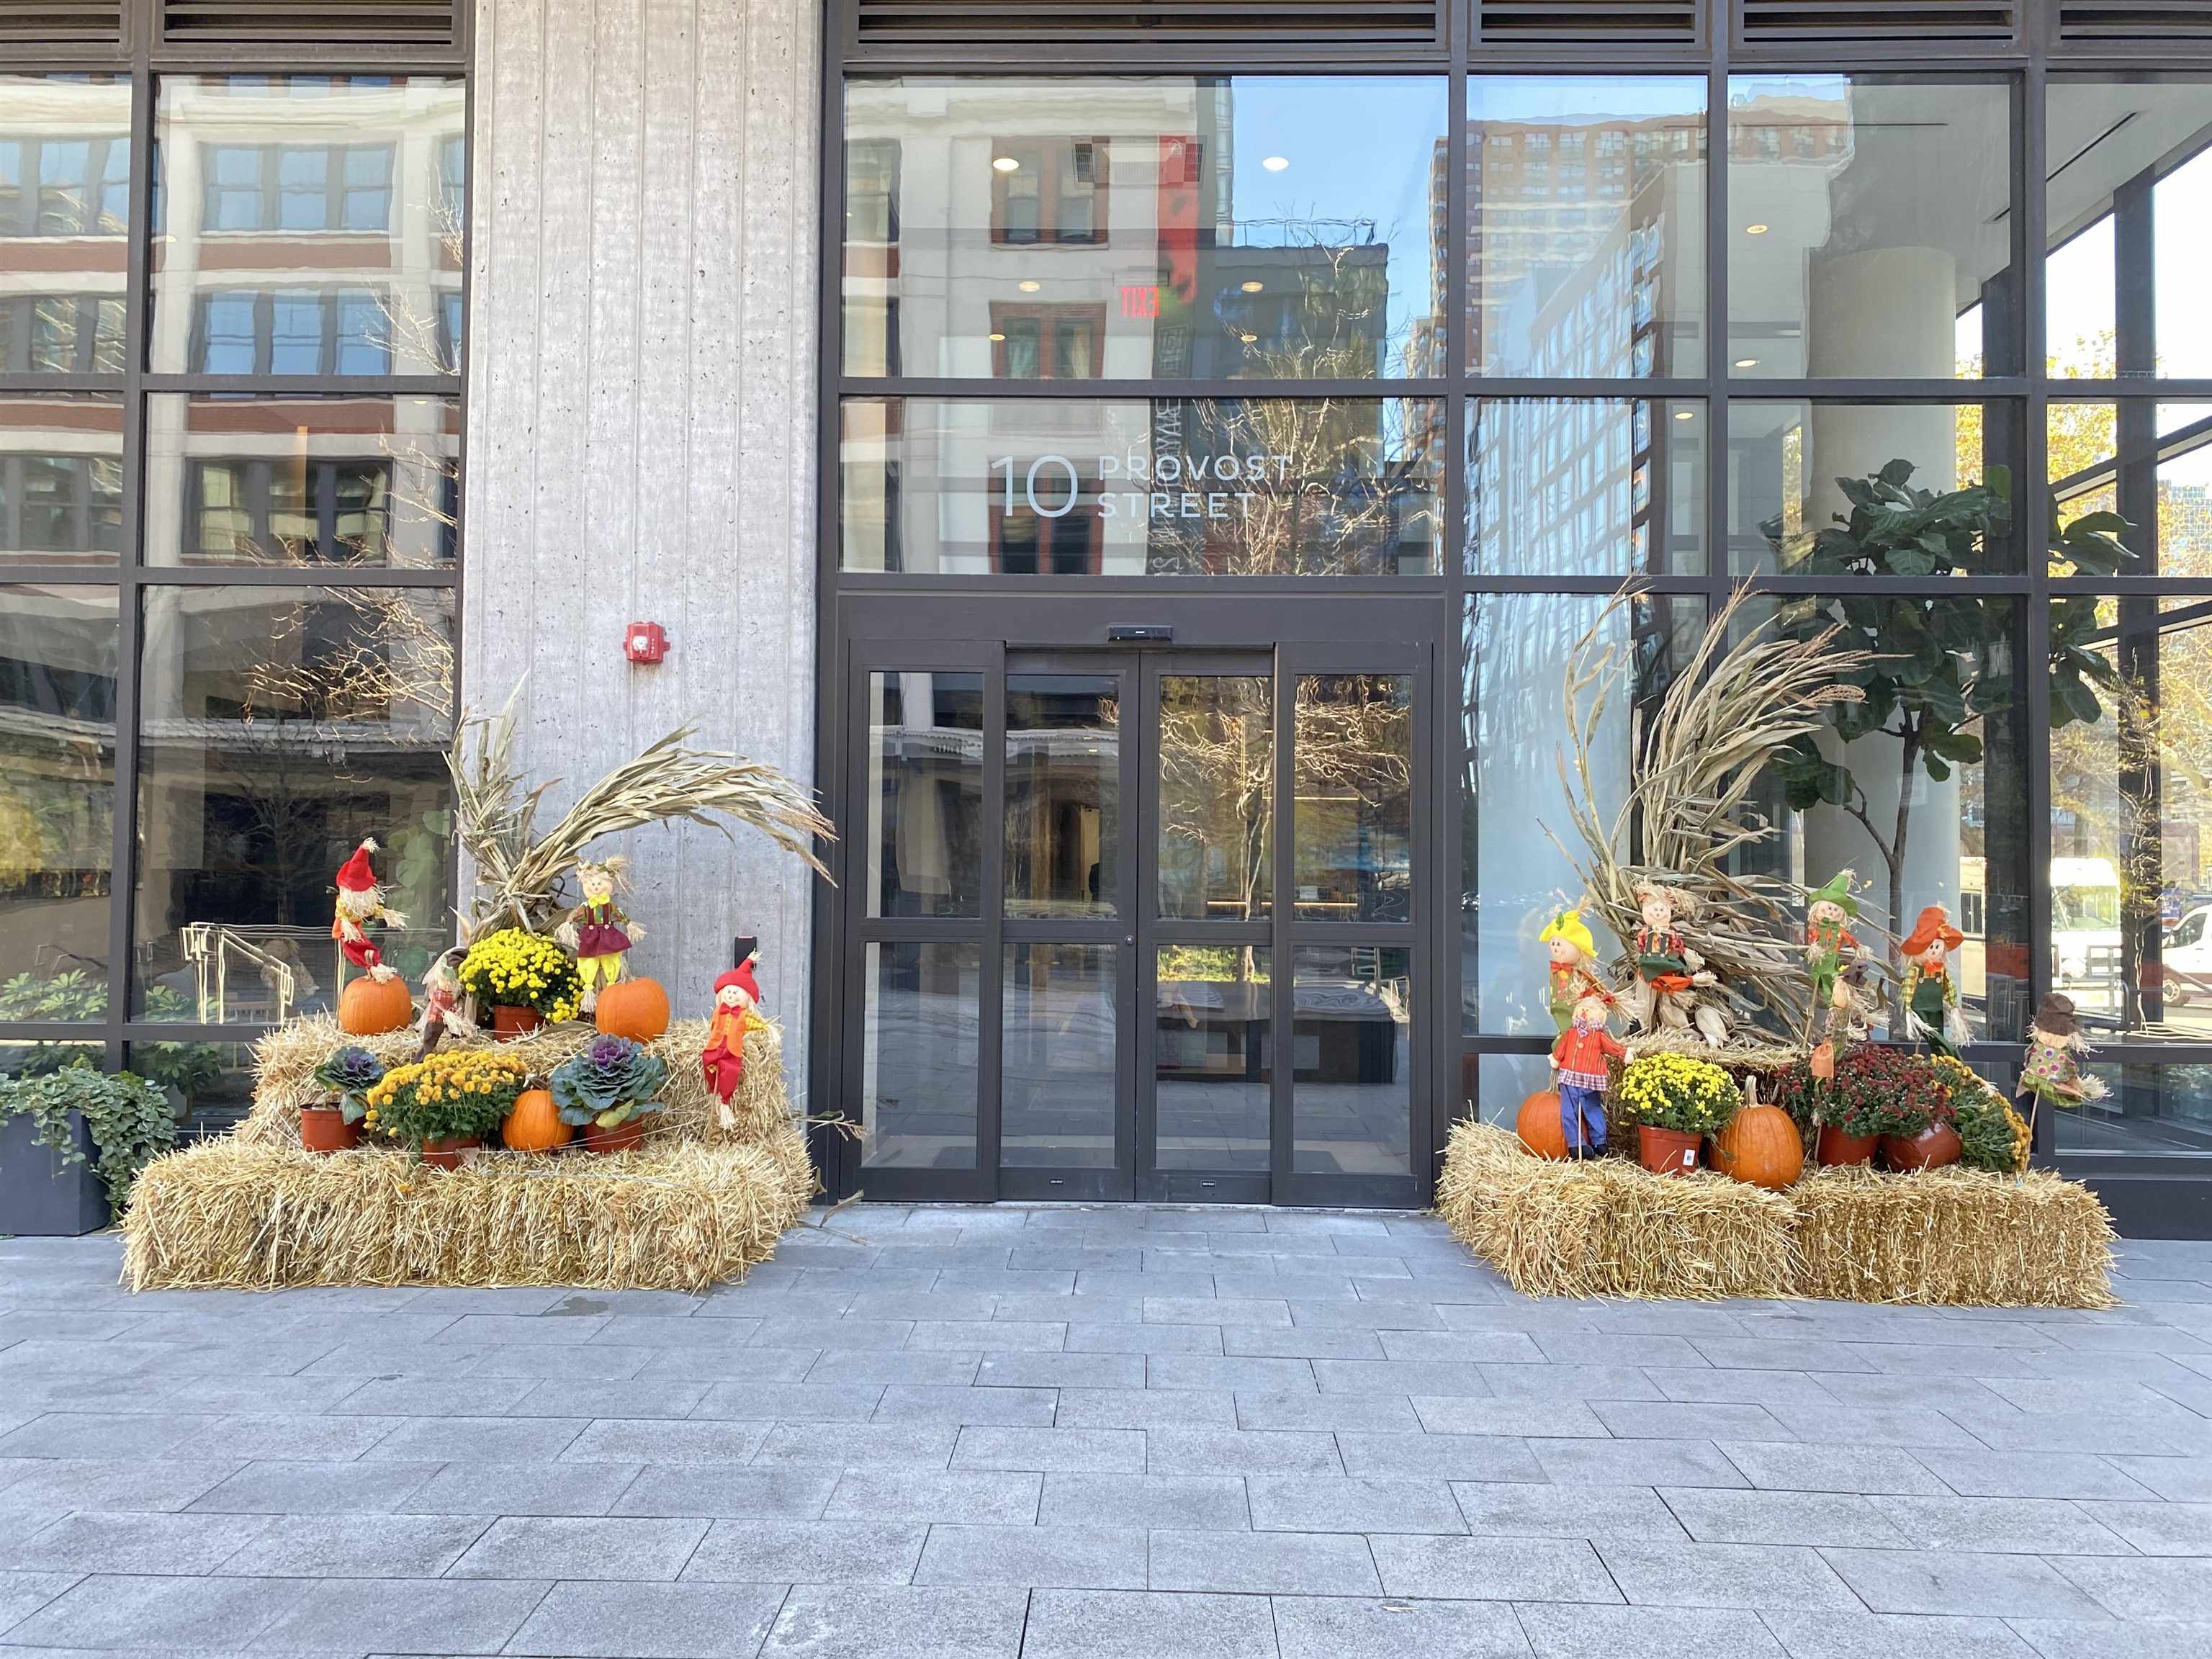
{"points": [[1138, 923]]}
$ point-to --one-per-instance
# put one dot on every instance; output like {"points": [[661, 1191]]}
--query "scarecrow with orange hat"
{"points": [[736, 994], [1931, 994], [361, 902]]}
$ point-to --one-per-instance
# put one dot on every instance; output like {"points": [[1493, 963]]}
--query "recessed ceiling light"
{"points": [[996, 335], [1029, 287], [1275, 163], [1754, 230], [1747, 362], [1005, 164], [1686, 413], [1254, 287], [1249, 339]]}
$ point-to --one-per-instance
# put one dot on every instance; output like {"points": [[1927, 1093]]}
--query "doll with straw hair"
{"points": [[599, 930]]}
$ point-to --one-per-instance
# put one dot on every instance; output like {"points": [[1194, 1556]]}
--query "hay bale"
{"points": [[1610, 1227], [1953, 1237], [1944, 1236], [285, 1061], [677, 1216]]}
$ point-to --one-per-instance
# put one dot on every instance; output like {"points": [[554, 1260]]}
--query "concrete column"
{"points": [[642, 426]]}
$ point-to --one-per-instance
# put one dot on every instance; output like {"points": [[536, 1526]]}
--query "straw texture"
{"points": [[1610, 1228], [699, 1202]]}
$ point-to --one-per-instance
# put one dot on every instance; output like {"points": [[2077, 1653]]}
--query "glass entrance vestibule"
{"points": [[1140, 908]]}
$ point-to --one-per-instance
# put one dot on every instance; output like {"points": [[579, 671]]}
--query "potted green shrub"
{"points": [[607, 1089], [334, 1126], [1674, 1101], [1991, 1135], [71, 1144]]}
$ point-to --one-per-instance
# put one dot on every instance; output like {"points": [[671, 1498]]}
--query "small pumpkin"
{"points": [[1538, 1125], [369, 1007], [633, 1008], [534, 1125], [1760, 1146]]}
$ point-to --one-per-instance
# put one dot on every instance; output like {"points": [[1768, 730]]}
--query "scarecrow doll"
{"points": [[1931, 995], [737, 994], [1668, 973], [1830, 945], [2052, 1070], [598, 930], [361, 902], [1578, 1060], [445, 1008], [1572, 950]]}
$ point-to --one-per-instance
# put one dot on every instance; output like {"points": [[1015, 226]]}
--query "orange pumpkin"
{"points": [[370, 1006], [1538, 1125], [633, 1008], [1761, 1146], [534, 1125]]}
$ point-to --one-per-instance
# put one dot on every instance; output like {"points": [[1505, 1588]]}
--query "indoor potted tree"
{"points": [[445, 1103], [525, 979], [1674, 1101], [606, 1090], [334, 1126]]}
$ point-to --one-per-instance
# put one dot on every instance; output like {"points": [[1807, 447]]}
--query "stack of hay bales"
{"points": [[1611, 1228], [700, 1201]]}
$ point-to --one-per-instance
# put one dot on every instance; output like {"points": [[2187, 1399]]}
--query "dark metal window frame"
{"points": [[139, 63], [2028, 62]]}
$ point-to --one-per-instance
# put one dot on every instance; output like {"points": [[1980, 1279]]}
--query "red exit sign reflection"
{"points": [[1140, 301]]}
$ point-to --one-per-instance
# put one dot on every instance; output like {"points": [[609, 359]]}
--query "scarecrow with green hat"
{"points": [[1568, 940], [1830, 947]]}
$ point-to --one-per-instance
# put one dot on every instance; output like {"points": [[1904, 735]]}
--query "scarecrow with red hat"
{"points": [[1931, 995], [361, 902], [737, 994]]}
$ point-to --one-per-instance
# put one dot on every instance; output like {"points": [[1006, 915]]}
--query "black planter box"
{"points": [[39, 1196]]}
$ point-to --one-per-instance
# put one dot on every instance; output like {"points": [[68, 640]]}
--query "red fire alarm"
{"points": [[645, 642]]}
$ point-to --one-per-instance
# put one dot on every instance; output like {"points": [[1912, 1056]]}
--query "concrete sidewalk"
{"points": [[1075, 1433]]}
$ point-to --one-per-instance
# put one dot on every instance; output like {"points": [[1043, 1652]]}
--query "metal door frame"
{"points": [[983, 634]]}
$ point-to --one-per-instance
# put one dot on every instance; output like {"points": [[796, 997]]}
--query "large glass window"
{"points": [[1144, 227], [1228, 487], [65, 221], [311, 225], [1595, 487], [1871, 227], [61, 480], [1586, 225]]}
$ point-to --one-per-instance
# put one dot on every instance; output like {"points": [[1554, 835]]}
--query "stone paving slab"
{"points": [[1059, 1432]]}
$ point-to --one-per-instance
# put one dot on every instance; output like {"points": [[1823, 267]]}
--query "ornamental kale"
{"points": [[608, 1083], [349, 1074]]}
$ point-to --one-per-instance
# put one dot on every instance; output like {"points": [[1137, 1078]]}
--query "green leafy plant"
{"points": [[1677, 1092], [608, 1082], [1991, 1135], [128, 1119], [1936, 663], [349, 1074]]}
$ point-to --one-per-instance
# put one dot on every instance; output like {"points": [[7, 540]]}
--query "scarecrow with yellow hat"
{"points": [[1573, 950]]}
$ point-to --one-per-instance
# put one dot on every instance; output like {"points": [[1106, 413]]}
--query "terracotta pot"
{"points": [[1931, 1149], [324, 1129], [620, 1138], [445, 1154], [1837, 1148], [1666, 1152], [508, 1023]]}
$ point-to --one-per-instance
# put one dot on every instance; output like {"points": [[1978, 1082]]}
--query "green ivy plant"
{"points": [[128, 1116], [1940, 662]]}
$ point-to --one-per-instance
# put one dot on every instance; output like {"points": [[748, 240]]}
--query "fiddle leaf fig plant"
{"points": [[1937, 663]]}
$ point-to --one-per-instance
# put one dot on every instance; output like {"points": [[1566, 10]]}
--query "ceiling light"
{"points": [[1005, 164], [1747, 362], [1254, 287], [1029, 287], [1275, 163], [996, 335], [1249, 339], [1686, 413], [1754, 230]]}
